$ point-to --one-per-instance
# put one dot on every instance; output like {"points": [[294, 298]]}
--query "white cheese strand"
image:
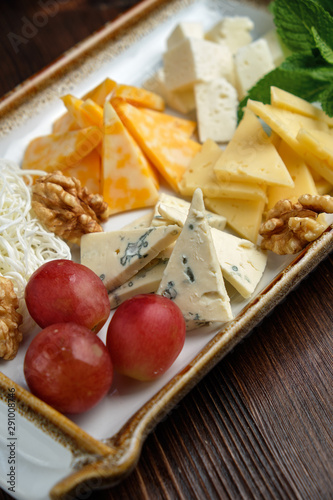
{"points": [[24, 243]]}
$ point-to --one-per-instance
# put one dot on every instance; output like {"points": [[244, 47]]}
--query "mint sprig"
{"points": [[306, 28]]}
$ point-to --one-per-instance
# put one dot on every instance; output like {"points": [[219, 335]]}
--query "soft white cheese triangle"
{"points": [[241, 261], [193, 277], [116, 256]]}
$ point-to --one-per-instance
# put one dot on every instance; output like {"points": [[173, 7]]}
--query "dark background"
{"points": [[259, 425]]}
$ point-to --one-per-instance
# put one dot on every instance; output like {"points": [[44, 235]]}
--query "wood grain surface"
{"points": [[259, 425]]}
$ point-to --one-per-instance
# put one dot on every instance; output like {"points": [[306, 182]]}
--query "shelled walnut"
{"points": [[290, 226], [66, 208], [10, 320]]}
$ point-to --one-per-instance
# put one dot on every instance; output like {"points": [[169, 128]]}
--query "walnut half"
{"points": [[10, 320], [290, 226], [66, 208]]}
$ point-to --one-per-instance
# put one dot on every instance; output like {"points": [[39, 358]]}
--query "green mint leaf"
{"points": [[326, 5], [325, 50], [296, 20], [326, 99], [308, 66]]}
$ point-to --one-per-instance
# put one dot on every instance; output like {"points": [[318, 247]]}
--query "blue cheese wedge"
{"points": [[116, 256], [214, 220], [241, 261], [193, 277]]}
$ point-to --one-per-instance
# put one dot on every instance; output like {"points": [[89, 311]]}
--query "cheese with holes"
{"points": [[193, 277], [251, 157], [181, 100], [287, 125], [200, 173], [195, 60], [242, 262], [167, 146], [128, 180], [300, 173], [182, 206], [216, 105], [60, 151], [234, 31], [116, 256], [252, 62], [243, 216]]}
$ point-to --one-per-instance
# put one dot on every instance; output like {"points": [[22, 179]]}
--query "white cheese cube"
{"points": [[233, 31], [216, 104], [182, 31], [195, 60], [252, 62], [275, 46], [182, 100]]}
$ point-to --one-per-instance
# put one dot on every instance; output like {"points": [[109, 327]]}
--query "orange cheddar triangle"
{"points": [[169, 149], [88, 170], [102, 92], [60, 151], [139, 97], [86, 113], [128, 180]]}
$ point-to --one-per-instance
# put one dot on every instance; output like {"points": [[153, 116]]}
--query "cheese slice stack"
{"points": [[193, 277]]}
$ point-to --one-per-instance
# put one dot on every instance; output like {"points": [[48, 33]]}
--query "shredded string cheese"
{"points": [[24, 243]]}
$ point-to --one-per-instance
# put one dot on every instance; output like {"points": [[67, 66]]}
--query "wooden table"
{"points": [[259, 425]]}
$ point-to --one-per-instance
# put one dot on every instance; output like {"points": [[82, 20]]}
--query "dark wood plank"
{"points": [[259, 425]]}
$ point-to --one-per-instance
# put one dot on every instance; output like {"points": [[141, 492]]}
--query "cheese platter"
{"points": [[89, 448]]}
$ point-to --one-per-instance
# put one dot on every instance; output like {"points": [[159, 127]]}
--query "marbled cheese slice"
{"points": [[251, 157], [182, 207], [60, 151], [85, 112], [241, 261], [243, 216], [116, 256], [128, 179], [89, 172], [139, 97], [166, 146], [193, 277], [200, 173]]}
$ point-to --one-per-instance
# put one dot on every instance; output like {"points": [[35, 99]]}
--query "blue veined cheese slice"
{"points": [[193, 277], [116, 256], [241, 261], [214, 220]]}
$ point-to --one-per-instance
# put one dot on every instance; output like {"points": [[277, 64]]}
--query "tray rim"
{"points": [[115, 458]]}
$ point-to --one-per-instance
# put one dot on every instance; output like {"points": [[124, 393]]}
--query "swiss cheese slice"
{"points": [[128, 179], [319, 143], [193, 277], [287, 125], [60, 151], [251, 157], [200, 174], [300, 173], [243, 216], [167, 147], [285, 100], [118, 255]]}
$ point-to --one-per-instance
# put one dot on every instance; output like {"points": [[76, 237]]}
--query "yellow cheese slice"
{"points": [[288, 124], [85, 113], [250, 156], [139, 97], [243, 216], [65, 123], [200, 174], [318, 143], [169, 150], [60, 151], [88, 171], [128, 181], [299, 171], [285, 100]]}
